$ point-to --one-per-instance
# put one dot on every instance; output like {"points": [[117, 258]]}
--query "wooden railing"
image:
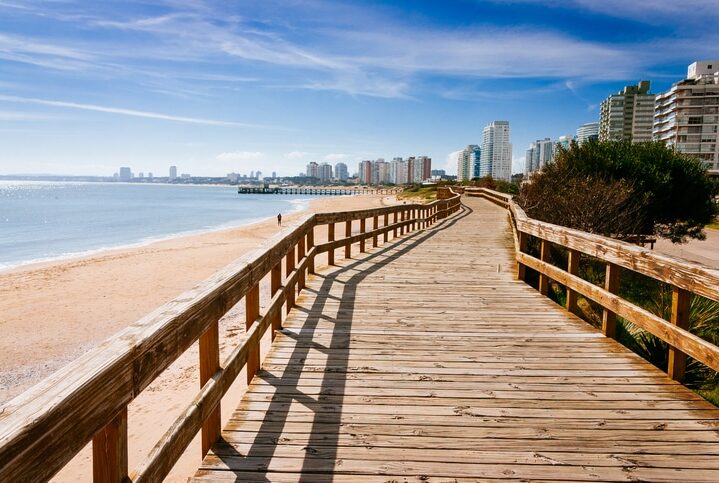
{"points": [[686, 279], [87, 400]]}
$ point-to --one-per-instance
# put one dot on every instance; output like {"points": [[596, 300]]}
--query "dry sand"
{"points": [[54, 312]]}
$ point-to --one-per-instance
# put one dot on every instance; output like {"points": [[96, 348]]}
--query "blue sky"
{"points": [[214, 87]]}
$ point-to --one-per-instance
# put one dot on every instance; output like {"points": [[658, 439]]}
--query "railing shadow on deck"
{"points": [[42, 429], [321, 449]]}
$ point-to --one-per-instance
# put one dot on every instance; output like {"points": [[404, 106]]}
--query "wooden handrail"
{"points": [[42, 429], [685, 277]]}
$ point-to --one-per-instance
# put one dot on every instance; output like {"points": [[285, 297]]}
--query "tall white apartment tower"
{"points": [[587, 132], [687, 116], [465, 165], [496, 157], [628, 115]]}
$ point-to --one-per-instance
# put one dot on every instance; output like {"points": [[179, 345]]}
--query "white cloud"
{"points": [[518, 164], [336, 156], [450, 164], [363, 51], [124, 112], [296, 155], [235, 156], [642, 11], [10, 116]]}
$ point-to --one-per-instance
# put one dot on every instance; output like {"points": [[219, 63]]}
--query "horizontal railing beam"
{"points": [[682, 339], [46, 426]]}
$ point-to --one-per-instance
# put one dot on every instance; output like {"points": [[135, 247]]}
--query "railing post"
{"points": [[348, 233], [611, 284], [310, 245], [252, 313], [209, 364], [394, 230], [521, 269], [573, 269], [385, 235], [300, 256], [375, 226], [363, 229], [401, 219], [544, 251], [331, 237], [275, 285], [681, 302], [290, 289], [109, 451]]}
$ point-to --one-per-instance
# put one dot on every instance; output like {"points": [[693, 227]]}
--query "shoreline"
{"points": [[5, 268], [54, 312]]}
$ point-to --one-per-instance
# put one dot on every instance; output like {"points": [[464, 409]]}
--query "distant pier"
{"points": [[256, 190]]}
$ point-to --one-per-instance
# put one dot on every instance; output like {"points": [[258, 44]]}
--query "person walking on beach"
{"points": [[279, 219]]}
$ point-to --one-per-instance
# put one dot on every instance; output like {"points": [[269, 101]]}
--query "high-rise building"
{"points": [[173, 172], [687, 116], [410, 169], [496, 156], [422, 169], [364, 172], [475, 160], [324, 172], [380, 172], [628, 115], [341, 172], [274, 174], [313, 170], [467, 161], [564, 141], [125, 174], [587, 132], [464, 166], [528, 157], [539, 153], [398, 171]]}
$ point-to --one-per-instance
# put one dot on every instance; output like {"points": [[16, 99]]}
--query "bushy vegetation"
{"points": [[621, 189]]}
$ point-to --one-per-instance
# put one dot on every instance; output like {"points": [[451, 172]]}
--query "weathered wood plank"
{"points": [[389, 362]]}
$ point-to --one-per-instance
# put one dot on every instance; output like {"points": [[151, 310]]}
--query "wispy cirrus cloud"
{"points": [[13, 116], [651, 12], [125, 112], [350, 49]]}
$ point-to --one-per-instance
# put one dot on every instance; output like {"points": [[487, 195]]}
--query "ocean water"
{"points": [[42, 221]]}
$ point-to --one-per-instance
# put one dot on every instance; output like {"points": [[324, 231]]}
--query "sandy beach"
{"points": [[54, 312]]}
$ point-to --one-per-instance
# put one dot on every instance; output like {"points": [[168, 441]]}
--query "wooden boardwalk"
{"points": [[424, 360]]}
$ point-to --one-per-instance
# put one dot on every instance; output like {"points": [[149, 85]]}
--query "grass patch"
{"points": [[419, 193], [711, 395]]}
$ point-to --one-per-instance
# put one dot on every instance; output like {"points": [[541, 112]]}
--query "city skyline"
{"points": [[216, 89]]}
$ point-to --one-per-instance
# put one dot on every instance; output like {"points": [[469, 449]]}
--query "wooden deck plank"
{"points": [[425, 360]]}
